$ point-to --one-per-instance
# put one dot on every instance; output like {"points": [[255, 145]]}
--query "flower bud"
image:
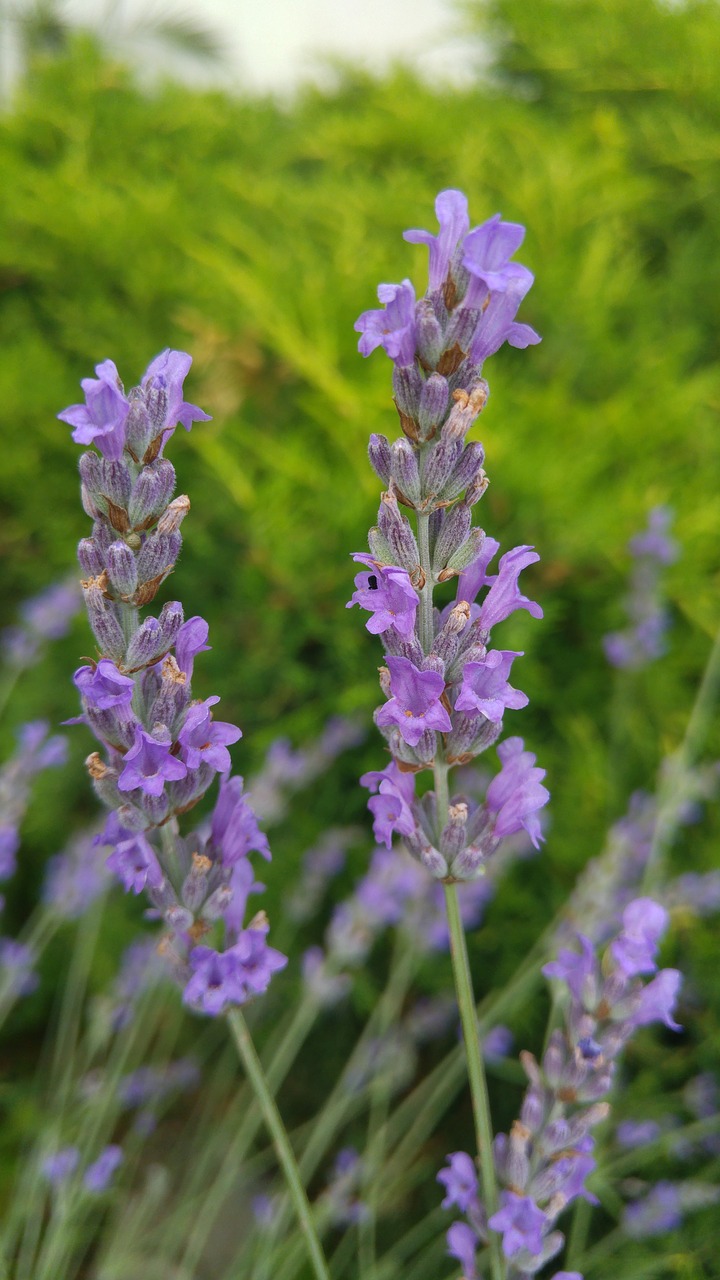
{"points": [[122, 569], [154, 637], [452, 535], [138, 427], [90, 555], [399, 646], [469, 863], [218, 903], [116, 481], [465, 471], [172, 696], [173, 516], [380, 548], [466, 553], [91, 476], [439, 464], [156, 808], [379, 455], [185, 793], [476, 489], [194, 890], [179, 919], [452, 837], [102, 615], [404, 469], [395, 527], [407, 389], [433, 404], [429, 335], [157, 556], [151, 492]]}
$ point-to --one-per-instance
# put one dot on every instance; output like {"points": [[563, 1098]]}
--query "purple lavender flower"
{"points": [[392, 328], [460, 1181], [656, 1213], [504, 596], [577, 970], [462, 1243], [99, 1175], [191, 640], [74, 878], [389, 594], [133, 859], [149, 763], [391, 813], [451, 208], [521, 1224], [103, 686], [657, 1000], [497, 323], [643, 639], [485, 690], [488, 250], [204, 740], [235, 829], [232, 977], [101, 420], [17, 961], [57, 1167], [634, 950], [516, 793], [637, 1133], [163, 387], [415, 705]]}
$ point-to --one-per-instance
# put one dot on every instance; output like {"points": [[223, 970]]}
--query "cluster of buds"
{"points": [[544, 1162], [161, 749], [446, 687]]}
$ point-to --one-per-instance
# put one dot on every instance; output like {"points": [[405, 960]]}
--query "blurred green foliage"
{"points": [[252, 235]]}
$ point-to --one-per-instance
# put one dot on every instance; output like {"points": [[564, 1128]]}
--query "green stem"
{"points": [[476, 1070], [281, 1142]]}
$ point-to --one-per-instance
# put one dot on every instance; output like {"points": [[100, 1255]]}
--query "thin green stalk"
{"points": [[284, 1151], [476, 1070], [216, 1192]]}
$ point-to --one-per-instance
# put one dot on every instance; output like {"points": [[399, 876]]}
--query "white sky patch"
{"points": [[275, 45]]}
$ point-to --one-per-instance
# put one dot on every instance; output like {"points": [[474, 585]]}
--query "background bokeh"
{"points": [[251, 233]]}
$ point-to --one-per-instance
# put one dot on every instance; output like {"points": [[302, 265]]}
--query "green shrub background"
{"points": [[252, 235]]}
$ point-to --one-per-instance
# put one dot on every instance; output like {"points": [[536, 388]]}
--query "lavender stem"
{"points": [[281, 1142], [476, 1071]]}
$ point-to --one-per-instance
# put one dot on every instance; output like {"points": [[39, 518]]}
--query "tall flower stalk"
{"points": [[161, 749], [446, 688]]}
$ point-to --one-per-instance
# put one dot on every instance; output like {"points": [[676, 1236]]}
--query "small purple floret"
{"points": [[485, 690], [101, 420], [389, 595], [516, 793], [521, 1224], [104, 686], [204, 740], [415, 705], [460, 1181], [149, 764], [393, 328]]}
